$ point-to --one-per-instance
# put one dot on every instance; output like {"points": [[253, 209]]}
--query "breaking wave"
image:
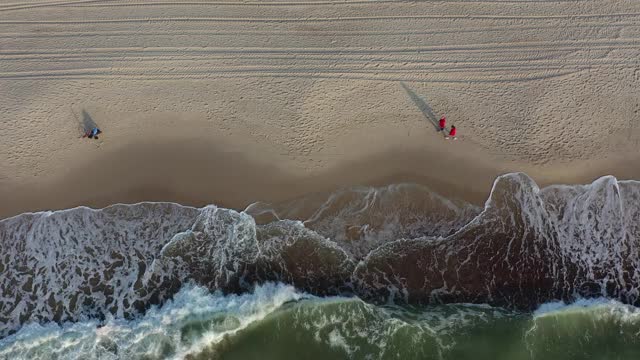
{"points": [[276, 321], [399, 244]]}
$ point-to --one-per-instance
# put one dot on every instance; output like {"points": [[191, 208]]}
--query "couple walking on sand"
{"points": [[443, 124]]}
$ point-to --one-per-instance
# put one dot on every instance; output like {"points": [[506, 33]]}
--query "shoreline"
{"points": [[229, 179], [228, 104], [156, 172]]}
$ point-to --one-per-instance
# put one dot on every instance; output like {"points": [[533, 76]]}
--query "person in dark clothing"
{"points": [[93, 133]]}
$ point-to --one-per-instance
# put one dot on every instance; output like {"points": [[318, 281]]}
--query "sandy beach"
{"points": [[233, 102]]}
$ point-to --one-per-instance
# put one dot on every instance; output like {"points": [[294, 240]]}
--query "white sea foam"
{"points": [[359, 219], [194, 320], [84, 263], [597, 307], [115, 262]]}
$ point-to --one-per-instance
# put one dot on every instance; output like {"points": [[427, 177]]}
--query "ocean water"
{"points": [[275, 321], [395, 272]]}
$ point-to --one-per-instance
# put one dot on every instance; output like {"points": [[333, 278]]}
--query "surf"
{"points": [[399, 244]]}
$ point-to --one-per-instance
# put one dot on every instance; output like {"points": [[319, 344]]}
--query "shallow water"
{"points": [[391, 272]]}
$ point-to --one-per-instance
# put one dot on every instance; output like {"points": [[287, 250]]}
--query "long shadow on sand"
{"points": [[85, 123], [423, 106]]}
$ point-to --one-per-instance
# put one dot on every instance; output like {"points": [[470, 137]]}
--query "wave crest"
{"points": [[400, 243]]}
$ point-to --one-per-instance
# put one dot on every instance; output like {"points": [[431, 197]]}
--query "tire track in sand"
{"points": [[319, 19], [564, 54]]}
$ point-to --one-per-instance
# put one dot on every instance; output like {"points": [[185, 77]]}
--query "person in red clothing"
{"points": [[443, 122], [452, 132]]}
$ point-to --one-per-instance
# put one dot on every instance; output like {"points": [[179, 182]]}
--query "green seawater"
{"points": [[276, 321], [356, 330]]}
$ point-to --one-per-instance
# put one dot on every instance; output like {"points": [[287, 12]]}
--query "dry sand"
{"points": [[230, 102]]}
